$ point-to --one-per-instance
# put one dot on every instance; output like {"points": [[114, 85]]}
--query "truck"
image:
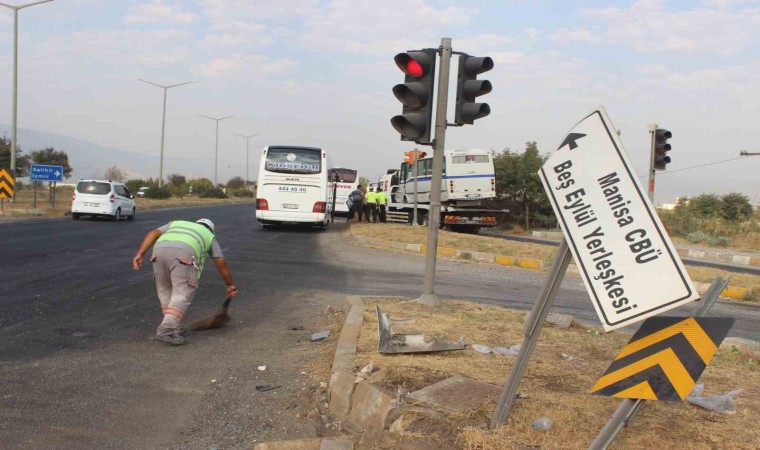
{"points": [[468, 179]]}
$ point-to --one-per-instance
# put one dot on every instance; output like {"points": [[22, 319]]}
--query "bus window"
{"points": [[345, 175], [293, 160], [469, 159]]}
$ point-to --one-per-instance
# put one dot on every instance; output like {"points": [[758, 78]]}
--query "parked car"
{"points": [[141, 192], [102, 198]]}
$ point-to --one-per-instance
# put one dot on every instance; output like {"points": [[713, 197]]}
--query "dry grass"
{"points": [[25, 201], [418, 235], [745, 280], [557, 388]]}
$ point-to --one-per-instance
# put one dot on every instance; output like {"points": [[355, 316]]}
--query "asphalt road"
{"points": [[78, 369]]}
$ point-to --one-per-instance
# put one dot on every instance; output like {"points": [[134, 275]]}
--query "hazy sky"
{"points": [[320, 73]]}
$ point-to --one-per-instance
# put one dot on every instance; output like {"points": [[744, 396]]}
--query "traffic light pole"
{"points": [[416, 174], [650, 189], [428, 296]]}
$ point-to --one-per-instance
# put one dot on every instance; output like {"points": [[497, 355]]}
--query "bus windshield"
{"points": [[344, 175], [294, 160]]}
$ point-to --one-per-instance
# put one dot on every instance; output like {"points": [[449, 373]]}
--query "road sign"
{"points": [[42, 172], [627, 261], [6, 184], [664, 359]]}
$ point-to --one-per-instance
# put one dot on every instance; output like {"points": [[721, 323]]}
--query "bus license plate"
{"points": [[289, 206], [296, 189]]}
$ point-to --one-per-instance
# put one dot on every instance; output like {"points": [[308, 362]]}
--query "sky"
{"points": [[320, 73]]}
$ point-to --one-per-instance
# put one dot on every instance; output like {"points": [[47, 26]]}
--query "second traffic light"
{"points": [[416, 94], [469, 88], [410, 156], [660, 148]]}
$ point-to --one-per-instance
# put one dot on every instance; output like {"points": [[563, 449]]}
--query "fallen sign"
{"points": [[627, 261], [390, 342]]}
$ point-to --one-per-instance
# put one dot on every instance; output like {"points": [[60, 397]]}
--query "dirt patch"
{"points": [[556, 388]]}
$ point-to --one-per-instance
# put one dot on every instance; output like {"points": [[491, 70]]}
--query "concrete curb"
{"points": [[732, 292]]}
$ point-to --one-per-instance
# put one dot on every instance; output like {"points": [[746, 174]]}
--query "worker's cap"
{"points": [[207, 223]]}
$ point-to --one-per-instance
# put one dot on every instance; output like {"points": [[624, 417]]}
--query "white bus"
{"points": [[293, 187], [343, 182]]}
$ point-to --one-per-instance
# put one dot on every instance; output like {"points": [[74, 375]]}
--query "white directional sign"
{"points": [[626, 259]]}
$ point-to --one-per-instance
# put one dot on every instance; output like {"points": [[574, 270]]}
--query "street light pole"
{"points": [[163, 125], [216, 151], [247, 164], [14, 107]]}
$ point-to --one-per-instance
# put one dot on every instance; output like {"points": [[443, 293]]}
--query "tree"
{"points": [[113, 173], [53, 157], [176, 179], [200, 185], [517, 182], [735, 207], [22, 161], [705, 205], [236, 183]]}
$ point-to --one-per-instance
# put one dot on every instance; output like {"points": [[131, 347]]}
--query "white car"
{"points": [[102, 198], [141, 192]]}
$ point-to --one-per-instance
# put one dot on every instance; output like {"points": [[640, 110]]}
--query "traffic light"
{"points": [[469, 87], [410, 156], [416, 94], [661, 147]]}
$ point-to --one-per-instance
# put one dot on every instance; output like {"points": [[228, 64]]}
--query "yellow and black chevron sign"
{"points": [[664, 359], [6, 184]]}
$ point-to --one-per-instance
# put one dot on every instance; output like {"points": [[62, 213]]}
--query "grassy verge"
{"points": [[418, 235], [556, 388], [25, 201]]}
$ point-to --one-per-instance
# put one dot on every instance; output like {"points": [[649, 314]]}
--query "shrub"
{"points": [[720, 241], [698, 236], [242, 192], [213, 193], [158, 192]]}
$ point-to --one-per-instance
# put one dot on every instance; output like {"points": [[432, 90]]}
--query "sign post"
{"points": [[627, 262]]}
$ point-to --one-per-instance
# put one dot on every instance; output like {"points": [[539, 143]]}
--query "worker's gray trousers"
{"points": [[176, 274]]}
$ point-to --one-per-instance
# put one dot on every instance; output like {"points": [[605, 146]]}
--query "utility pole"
{"points": [[14, 102], [216, 147], [746, 153], [416, 174], [650, 187], [163, 125], [247, 152]]}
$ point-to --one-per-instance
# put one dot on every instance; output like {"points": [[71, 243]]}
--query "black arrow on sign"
{"points": [[570, 140]]}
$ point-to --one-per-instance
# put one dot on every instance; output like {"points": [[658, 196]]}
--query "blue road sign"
{"points": [[42, 172]]}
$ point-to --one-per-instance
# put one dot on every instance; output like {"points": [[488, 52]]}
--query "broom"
{"points": [[215, 320]]}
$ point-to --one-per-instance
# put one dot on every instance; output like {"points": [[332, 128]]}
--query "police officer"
{"points": [[371, 205], [178, 256], [382, 201]]}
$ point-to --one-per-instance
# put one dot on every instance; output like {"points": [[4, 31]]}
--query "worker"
{"points": [[382, 201], [371, 205], [178, 255], [357, 204]]}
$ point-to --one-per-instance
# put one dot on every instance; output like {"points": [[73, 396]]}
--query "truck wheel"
{"points": [[423, 219]]}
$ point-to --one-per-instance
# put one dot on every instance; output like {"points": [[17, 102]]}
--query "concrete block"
{"points": [[349, 336], [483, 257], [696, 254], [299, 444], [504, 260], [340, 389], [741, 259], [754, 261], [736, 293], [528, 263], [447, 252], [398, 245], [369, 408], [416, 248], [724, 257], [559, 320], [377, 377], [683, 252], [336, 444], [455, 394], [364, 240], [463, 254]]}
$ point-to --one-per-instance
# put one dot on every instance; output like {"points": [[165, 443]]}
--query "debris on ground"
{"points": [[723, 403], [455, 394], [567, 357], [481, 348], [390, 342], [364, 373], [297, 328], [266, 387], [320, 336], [543, 424], [504, 351], [262, 368]]}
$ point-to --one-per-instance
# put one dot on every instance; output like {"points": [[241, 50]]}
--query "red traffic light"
{"points": [[414, 64]]}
